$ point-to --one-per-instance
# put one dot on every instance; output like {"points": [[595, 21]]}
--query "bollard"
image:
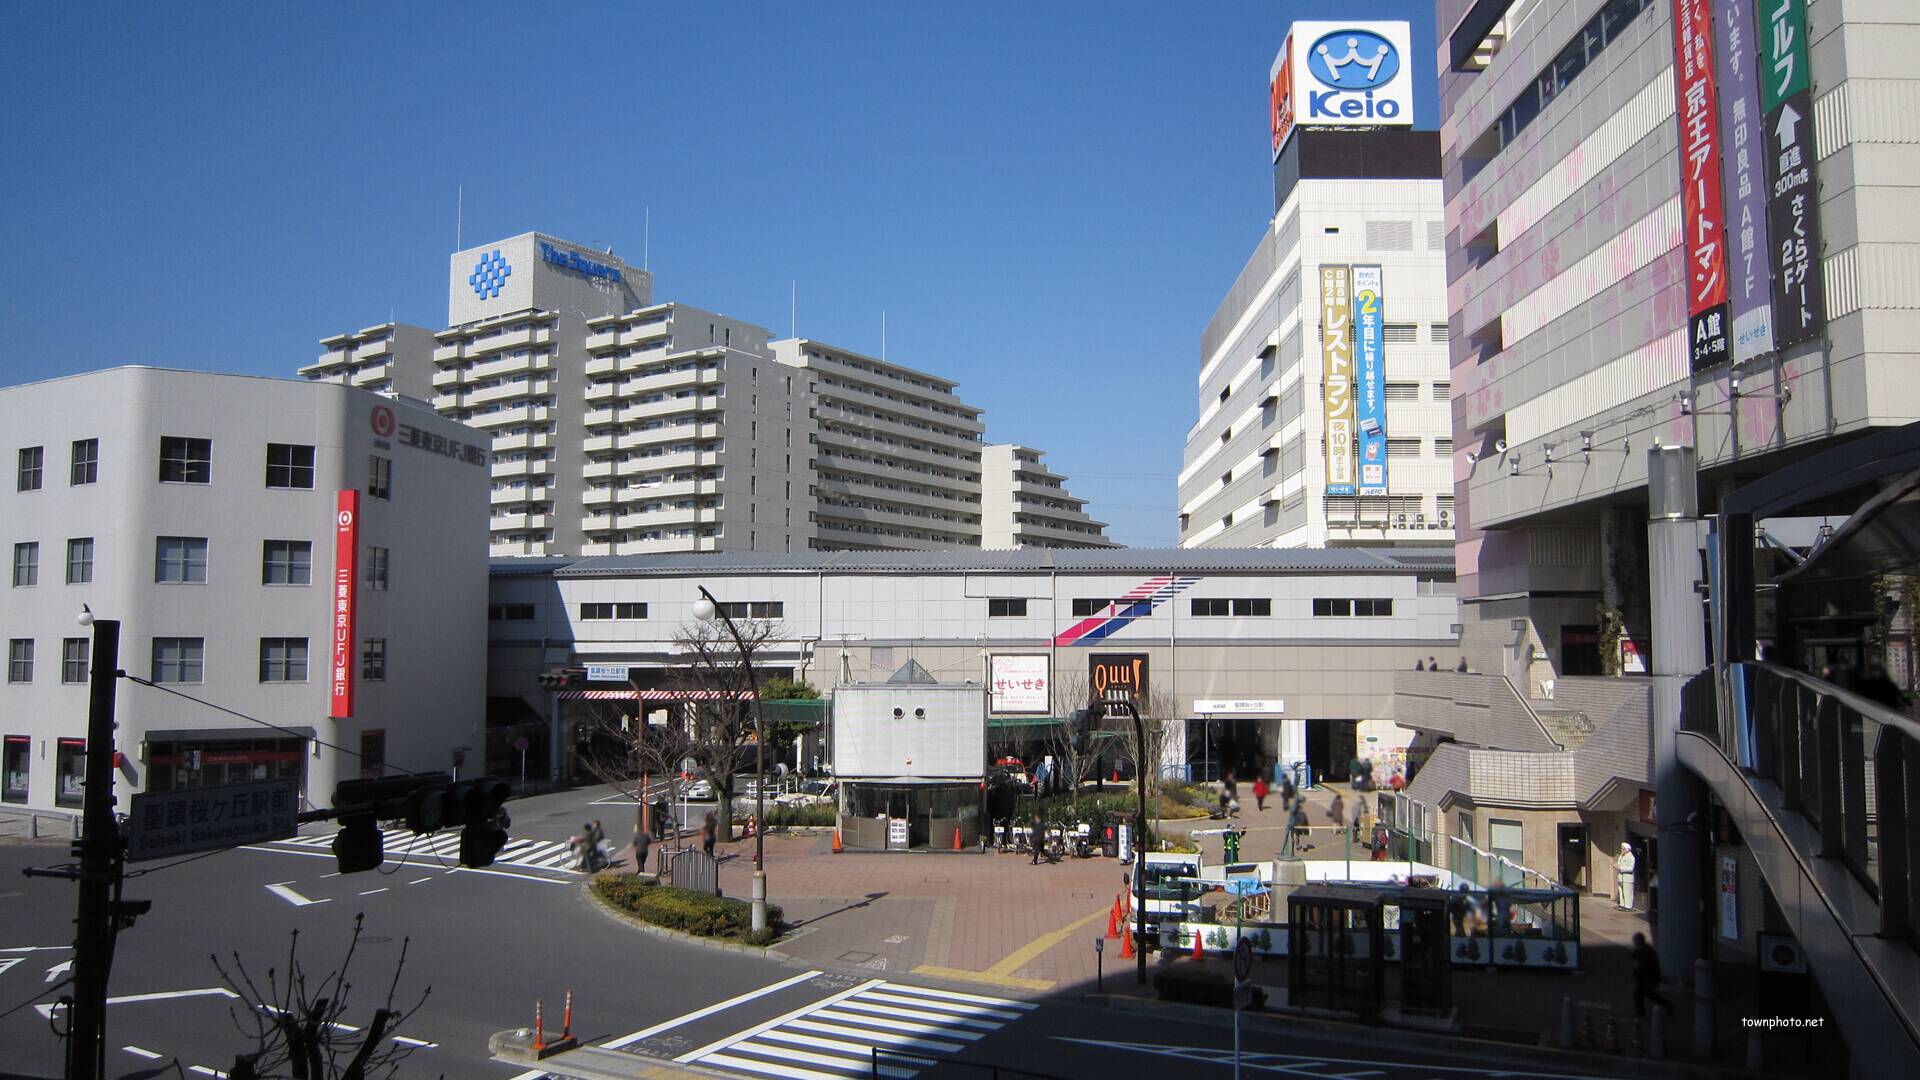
{"points": [[566, 1018], [539, 1034], [1566, 1022], [1703, 1009], [1657, 1034]]}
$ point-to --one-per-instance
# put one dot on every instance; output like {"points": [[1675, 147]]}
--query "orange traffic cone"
{"points": [[1113, 921], [956, 838], [539, 1030], [1126, 945], [1199, 953], [836, 841]]}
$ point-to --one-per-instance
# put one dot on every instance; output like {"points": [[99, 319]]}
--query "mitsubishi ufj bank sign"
{"points": [[1341, 74]]}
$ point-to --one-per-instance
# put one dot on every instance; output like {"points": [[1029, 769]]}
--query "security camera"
{"points": [[1686, 404], [1499, 446], [1472, 458]]}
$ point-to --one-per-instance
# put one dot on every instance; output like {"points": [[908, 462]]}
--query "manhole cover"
{"points": [[856, 957]]}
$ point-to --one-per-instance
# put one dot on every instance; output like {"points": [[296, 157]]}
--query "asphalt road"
{"points": [[487, 943]]}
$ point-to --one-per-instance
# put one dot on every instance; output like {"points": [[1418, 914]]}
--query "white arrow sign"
{"points": [[58, 970], [1787, 126], [280, 890], [7, 962]]}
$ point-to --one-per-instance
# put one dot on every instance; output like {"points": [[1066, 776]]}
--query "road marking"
{"points": [[280, 890], [37, 948], [390, 860], [57, 970], [46, 1011], [370, 892], [420, 881], [887, 1037], [404, 1041], [1002, 972], [205, 1070], [508, 874], [830, 999], [644, 1033], [140, 1051], [7, 962]]}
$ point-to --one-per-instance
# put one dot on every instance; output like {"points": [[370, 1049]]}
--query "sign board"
{"points": [[168, 823], [346, 571], [1370, 375], [1703, 211], [607, 673], [1118, 677], [1744, 176], [1793, 196], [1242, 959], [897, 832], [1729, 898], [1349, 74], [1280, 96], [1274, 705], [1336, 367], [1020, 684]]}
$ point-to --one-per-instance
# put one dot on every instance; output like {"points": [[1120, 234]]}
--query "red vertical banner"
{"points": [[346, 570], [1703, 210]]}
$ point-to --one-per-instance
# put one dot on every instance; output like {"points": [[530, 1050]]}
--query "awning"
{"points": [[654, 695]]}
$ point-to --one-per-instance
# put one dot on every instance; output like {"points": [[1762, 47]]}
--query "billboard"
{"points": [[346, 569], [1370, 363], [1744, 178], [1349, 74], [1280, 96], [1020, 684], [1793, 195], [1336, 367], [1705, 236]]}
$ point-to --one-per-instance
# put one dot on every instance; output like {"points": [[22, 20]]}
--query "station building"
{"points": [[223, 520]]}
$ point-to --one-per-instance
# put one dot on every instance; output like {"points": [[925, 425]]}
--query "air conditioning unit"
{"points": [[1400, 521]]}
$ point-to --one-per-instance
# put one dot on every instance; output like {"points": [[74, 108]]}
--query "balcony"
{"points": [[507, 470], [448, 377], [516, 496], [324, 365], [373, 350], [599, 470], [537, 440], [508, 391], [512, 365], [372, 376], [592, 444], [519, 522], [599, 496], [602, 393], [673, 380], [447, 354], [514, 416]]}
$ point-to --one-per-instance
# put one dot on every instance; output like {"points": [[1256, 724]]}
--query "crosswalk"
{"points": [[833, 1038], [444, 847]]}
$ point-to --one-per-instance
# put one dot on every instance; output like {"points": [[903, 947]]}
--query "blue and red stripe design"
{"points": [[1137, 603]]}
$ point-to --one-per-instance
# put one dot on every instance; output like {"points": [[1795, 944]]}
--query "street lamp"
{"points": [[706, 609], [100, 857]]}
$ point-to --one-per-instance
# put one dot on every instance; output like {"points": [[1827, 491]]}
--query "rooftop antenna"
{"points": [[883, 340], [646, 245], [459, 213], [793, 308]]}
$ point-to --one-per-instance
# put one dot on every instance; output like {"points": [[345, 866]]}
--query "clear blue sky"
{"points": [[1048, 200]]}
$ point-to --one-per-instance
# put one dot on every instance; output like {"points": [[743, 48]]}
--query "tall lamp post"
{"points": [[99, 859], [706, 609]]}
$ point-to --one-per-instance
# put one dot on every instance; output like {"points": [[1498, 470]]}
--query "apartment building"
{"points": [[231, 525], [1025, 504], [897, 460], [1669, 224], [1355, 244], [392, 359]]}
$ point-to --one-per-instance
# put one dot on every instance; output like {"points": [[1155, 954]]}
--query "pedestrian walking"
{"points": [[1432, 664], [1338, 811], [1398, 781], [1646, 977], [710, 833], [1461, 667], [1623, 867], [1287, 791], [1297, 827], [1260, 793], [1230, 787], [1380, 843], [642, 839], [661, 812], [1460, 910], [1039, 838]]}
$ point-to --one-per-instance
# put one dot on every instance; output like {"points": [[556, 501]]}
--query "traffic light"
{"points": [[483, 817], [359, 844], [559, 677]]}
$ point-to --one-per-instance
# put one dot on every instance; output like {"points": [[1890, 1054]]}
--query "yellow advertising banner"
{"points": [[1336, 356]]}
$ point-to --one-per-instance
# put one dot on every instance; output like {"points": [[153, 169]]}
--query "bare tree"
{"points": [[622, 750], [720, 709], [1075, 762], [299, 1028], [1146, 743]]}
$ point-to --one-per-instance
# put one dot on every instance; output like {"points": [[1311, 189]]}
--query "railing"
{"points": [[1850, 766]]}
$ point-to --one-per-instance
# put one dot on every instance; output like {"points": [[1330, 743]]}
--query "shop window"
{"points": [[16, 768], [70, 769]]}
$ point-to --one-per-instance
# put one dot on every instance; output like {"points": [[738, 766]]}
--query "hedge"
{"points": [[683, 910]]}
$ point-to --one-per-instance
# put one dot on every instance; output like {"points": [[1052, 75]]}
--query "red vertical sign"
{"points": [[346, 569], [1703, 213]]}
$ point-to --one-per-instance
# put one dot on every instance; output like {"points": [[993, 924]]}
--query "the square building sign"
{"points": [[1793, 191]]}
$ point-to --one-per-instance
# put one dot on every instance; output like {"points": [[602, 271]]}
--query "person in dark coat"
{"points": [[709, 833], [1646, 977], [1039, 838]]}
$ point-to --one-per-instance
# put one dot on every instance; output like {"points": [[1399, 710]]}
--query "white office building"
{"points": [[213, 517]]}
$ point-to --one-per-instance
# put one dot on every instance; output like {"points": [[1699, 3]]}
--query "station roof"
{"points": [[1434, 560]]}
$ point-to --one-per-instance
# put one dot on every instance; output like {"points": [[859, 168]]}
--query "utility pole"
{"points": [[99, 864]]}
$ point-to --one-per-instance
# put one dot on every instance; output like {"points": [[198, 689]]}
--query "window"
{"points": [[286, 562], [615, 611], [26, 565], [185, 461], [73, 659], [20, 660], [86, 462], [289, 466], [32, 459], [180, 558], [179, 659], [373, 659], [1221, 606], [1340, 607], [16, 768], [596, 611], [1007, 608], [1507, 838], [379, 476], [1084, 608], [509, 612], [757, 609], [80, 560], [70, 768], [377, 568], [283, 659]]}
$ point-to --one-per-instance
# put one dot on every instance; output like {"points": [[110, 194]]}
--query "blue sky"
{"points": [[1047, 200]]}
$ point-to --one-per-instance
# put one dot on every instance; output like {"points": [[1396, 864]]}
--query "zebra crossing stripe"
{"points": [[880, 1009], [899, 1025], [955, 995], [886, 1037], [948, 1006]]}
